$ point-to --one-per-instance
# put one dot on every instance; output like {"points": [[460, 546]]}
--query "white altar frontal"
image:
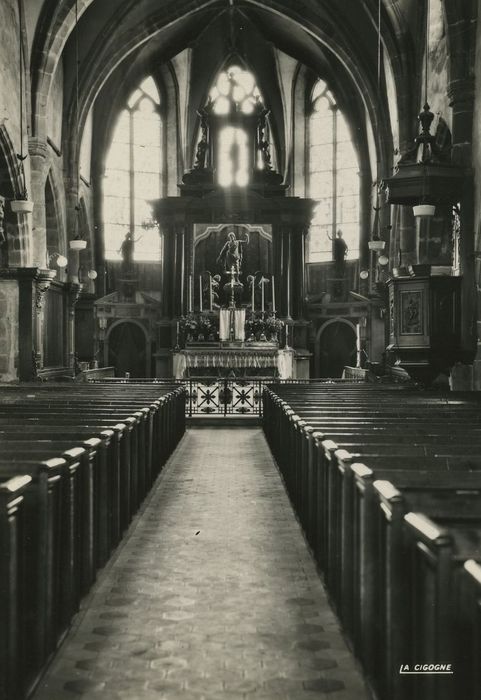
{"points": [[241, 360]]}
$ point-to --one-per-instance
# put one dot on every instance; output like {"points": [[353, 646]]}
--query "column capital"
{"points": [[461, 90], [37, 147]]}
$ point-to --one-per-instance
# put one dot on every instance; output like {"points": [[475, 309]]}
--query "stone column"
{"points": [[298, 289], [461, 95], [43, 281], [285, 272], [38, 159], [278, 268], [168, 271], [73, 293]]}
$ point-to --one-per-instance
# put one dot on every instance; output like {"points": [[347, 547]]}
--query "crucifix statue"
{"points": [[232, 272]]}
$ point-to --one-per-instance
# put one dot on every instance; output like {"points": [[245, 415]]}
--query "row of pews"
{"points": [[75, 464], [386, 484]]}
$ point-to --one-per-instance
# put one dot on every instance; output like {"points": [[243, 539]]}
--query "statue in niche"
{"points": [[231, 254], [126, 250], [264, 143], [203, 144], [340, 252]]}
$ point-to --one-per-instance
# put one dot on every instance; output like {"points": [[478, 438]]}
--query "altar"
{"points": [[238, 361], [233, 277]]}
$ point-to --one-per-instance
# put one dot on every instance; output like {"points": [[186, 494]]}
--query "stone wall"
{"points": [[8, 330]]}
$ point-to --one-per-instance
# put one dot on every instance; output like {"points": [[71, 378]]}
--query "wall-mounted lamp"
{"points": [[364, 274], [60, 260], [383, 260]]}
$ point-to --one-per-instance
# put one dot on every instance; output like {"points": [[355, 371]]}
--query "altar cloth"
{"points": [[234, 358]]}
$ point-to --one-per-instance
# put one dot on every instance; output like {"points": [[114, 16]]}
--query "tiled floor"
{"points": [[212, 594]]}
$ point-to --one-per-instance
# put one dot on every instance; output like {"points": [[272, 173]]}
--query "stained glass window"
{"points": [[333, 178], [235, 90], [133, 175]]}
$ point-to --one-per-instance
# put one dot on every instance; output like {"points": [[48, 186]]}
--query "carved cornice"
{"points": [[74, 291], [43, 282]]}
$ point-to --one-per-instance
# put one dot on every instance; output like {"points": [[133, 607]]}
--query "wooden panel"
{"points": [[54, 327]]}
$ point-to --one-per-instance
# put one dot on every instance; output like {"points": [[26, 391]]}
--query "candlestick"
{"points": [[210, 292], [273, 296], [253, 294], [190, 294], [200, 293], [262, 295]]}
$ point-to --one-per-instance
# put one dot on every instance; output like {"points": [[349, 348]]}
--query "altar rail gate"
{"points": [[224, 396]]}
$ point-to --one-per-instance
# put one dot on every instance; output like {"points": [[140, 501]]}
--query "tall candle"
{"points": [[210, 292], [253, 294], [190, 294], [273, 296], [262, 295], [200, 293]]}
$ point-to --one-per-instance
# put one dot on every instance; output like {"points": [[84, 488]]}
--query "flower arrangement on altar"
{"points": [[274, 324], [188, 324], [199, 327], [262, 327]]}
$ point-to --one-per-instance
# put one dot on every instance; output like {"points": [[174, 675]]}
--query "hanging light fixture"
{"points": [[376, 244], [21, 204], [77, 243]]}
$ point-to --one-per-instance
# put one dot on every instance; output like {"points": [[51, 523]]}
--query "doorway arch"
{"points": [[127, 349], [335, 347]]}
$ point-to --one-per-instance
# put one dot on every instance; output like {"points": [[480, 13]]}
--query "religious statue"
{"points": [[340, 252], [264, 142], [231, 254], [126, 250], [202, 146]]}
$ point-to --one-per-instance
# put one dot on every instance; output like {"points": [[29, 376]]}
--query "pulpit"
{"points": [[424, 324]]}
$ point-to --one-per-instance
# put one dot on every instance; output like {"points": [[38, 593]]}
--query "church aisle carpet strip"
{"points": [[212, 593]]}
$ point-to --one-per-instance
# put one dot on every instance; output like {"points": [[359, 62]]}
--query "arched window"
{"points": [[235, 103], [133, 175], [333, 178]]}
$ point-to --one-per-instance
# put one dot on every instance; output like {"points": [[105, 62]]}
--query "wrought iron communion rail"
{"points": [[221, 396]]}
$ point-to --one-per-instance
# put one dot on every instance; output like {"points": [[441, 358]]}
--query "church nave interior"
{"points": [[239, 243]]}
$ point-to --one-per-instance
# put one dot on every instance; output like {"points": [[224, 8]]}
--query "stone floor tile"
{"points": [[211, 595]]}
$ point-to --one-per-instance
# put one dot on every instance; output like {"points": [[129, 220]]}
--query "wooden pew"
{"points": [[42, 555], [467, 630], [333, 496], [87, 472], [436, 550], [12, 575], [437, 495]]}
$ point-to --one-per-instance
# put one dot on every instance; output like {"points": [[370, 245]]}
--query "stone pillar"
{"points": [[168, 271], [73, 293], [43, 281], [278, 268], [38, 159], [298, 290], [285, 271], [461, 95]]}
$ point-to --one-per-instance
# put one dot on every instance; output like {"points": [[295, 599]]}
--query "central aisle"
{"points": [[212, 593]]}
